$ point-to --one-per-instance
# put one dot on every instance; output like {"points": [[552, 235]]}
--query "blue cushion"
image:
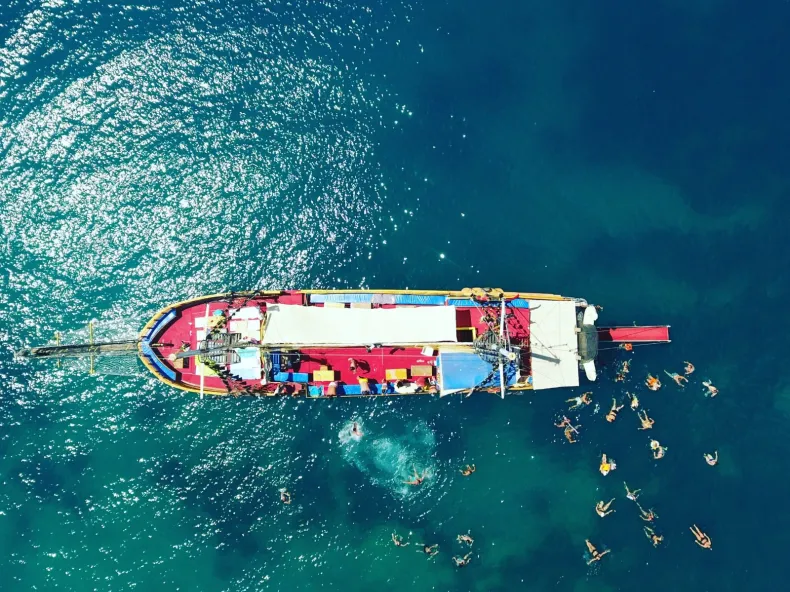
{"points": [[290, 377]]}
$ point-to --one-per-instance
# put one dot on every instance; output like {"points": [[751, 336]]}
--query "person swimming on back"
{"points": [[418, 479], [595, 555], [711, 390], [462, 561], [612, 415], [652, 382], [634, 400], [607, 465], [647, 423], [689, 368], [465, 538], [569, 432], [580, 401], [654, 538], [430, 550], [646, 515], [679, 380], [398, 540], [468, 470], [602, 509], [632, 495], [702, 539], [712, 459], [658, 450]]}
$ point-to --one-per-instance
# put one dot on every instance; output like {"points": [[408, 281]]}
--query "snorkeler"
{"points": [[647, 423], [634, 400], [679, 380], [658, 450], [418, 479], [702, 539], [711, 391], [607, 465], [462, 561], [712, 459], [285, 497], [465, 538], [398, 540], [569, 431], [580, 401], [468, 470], [652, 382], [654, 538], [646, 515], [595, 555], [632, 495], [689, 368], [612, 415], [602, 509], [430, 550]]}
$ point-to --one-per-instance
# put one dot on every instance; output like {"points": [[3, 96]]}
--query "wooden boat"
{"points": [[344, 343]]}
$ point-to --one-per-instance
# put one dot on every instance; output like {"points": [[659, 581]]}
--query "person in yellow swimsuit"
{"points": [[607, 465]]}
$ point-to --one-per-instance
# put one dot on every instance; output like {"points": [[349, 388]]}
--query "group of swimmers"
{"points": [[608, 464], [433, 550]]}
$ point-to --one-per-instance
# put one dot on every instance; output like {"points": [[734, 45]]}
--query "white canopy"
{"points": [[313, 325], [554, 343]]}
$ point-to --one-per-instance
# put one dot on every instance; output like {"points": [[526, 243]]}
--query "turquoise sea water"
{"points": [[631, 155]]}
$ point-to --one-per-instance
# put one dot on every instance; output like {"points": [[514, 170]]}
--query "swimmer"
{"points": [[654, 538], [352, 365], [565, 422], [607, 465], [702, 539], [580, 401], [711, 391], [652, 382], [626, 346], [624, 370], [712, 459], [468, 470], [646, 515], [602, 509], [465, 538], [634, 400], [596, 556], [679, 380], [285, 497], [355, 431], [462, 561], [612, 415], [398, 540], [569, 431], [430, 550], [632, 495], [658, 450], [688, 369], [418, 479], [647, 423]]}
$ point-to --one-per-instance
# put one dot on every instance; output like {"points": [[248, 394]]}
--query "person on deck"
{"points": [[602, 509], [398, 540], [468, 470], [654, 538], [712, 459], [689, 368], [647, 423], [652, 382], [607, 465], [634, 400], [612, 415], [679, 380], [430, 385], [702, 539], [632, 495], [364, 386], [711, 391], [595, 555], [580, 401], [418, 479]]}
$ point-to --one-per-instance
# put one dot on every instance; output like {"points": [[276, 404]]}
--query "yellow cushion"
{"points": [[396, 374]]}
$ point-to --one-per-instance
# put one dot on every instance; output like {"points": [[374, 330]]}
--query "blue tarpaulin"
{"points": [[462, 370]]}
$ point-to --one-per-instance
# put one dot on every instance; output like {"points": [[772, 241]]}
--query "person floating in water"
{"points": [[580, 401], [624, 370], [658, 450], [607, 465], [602, 509], [702, 539], [430, 550], [689, 368], [565, 422], [634, 400], [418, 479], [712, 459], [612, 415], [647, 423], [465, 538], [679, 380], [646, 515], [626, 346], [569, 432], [398, 540], [652, 382], [594, 554], [654, 538], [711, 390], [468, 470], [355, 431], [285, 497], [632, 495], [462, 561]]}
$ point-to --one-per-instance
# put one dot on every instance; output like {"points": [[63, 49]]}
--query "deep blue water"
{"points": [[635, 156]]}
